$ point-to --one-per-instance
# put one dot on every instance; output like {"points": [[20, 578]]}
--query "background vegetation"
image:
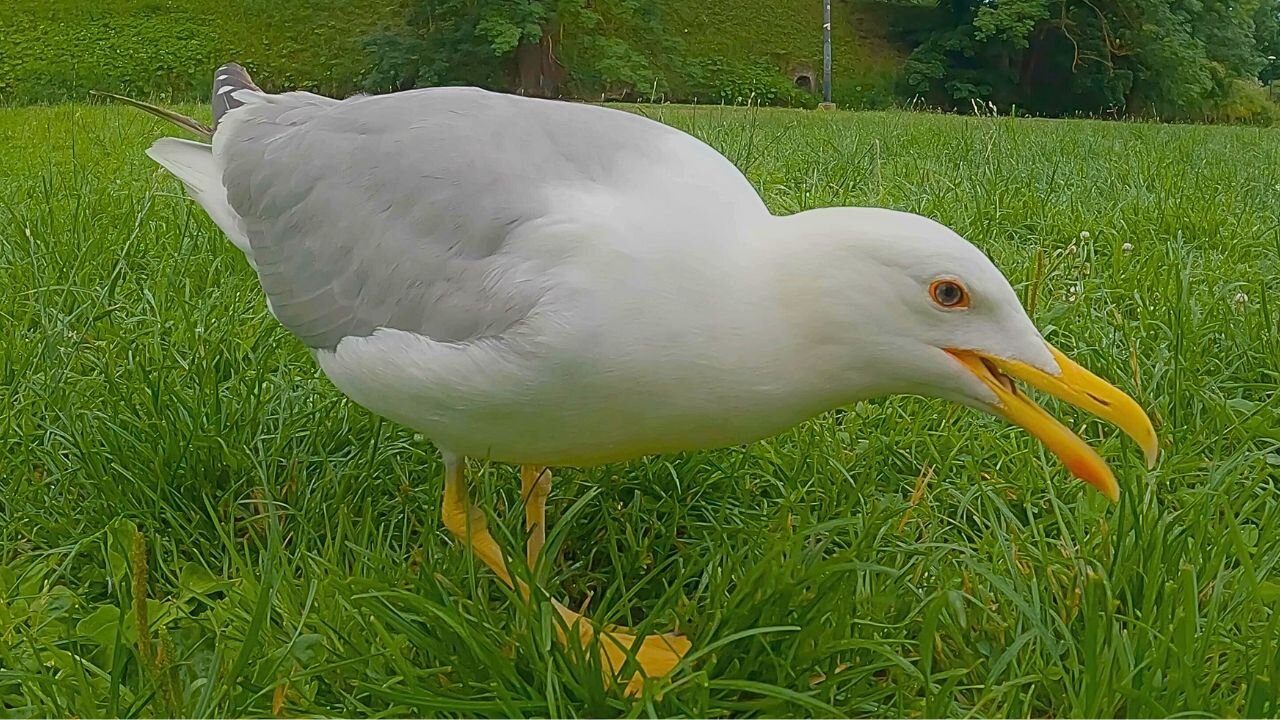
{"points": [[55, 50], [193, 521], [1173, 59], [718, 51], [1166, 58]]}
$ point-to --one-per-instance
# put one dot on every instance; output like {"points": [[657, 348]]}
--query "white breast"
{"points": [[661, 338]]}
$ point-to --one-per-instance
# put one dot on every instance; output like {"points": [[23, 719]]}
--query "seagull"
{"points": [[554, 284]]}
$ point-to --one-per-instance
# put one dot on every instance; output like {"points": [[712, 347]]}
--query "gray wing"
{"points": [[396, 211]]}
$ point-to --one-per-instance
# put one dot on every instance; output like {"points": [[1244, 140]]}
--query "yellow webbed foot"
{"points": [[655, 655]]}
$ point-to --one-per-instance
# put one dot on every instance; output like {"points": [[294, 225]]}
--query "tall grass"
{"points": [[194, 522]]}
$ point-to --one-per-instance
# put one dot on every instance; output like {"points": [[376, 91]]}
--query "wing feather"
{"points": [[398, 211]]}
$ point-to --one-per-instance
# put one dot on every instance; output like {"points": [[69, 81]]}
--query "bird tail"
{"points": [[226, 81], [194, 164]]}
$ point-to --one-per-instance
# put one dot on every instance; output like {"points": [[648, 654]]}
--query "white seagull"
{"points": [[553, 284]]}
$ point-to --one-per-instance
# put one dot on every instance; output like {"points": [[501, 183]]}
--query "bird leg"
{"points": [[467, 522], [655, 655], [535, 486]]}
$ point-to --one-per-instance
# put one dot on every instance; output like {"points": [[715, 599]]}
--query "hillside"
{"points": [[52, 50], [787, 34], [714, 50]]}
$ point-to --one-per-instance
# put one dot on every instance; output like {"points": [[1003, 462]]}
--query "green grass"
{"points": [[163, 439]]}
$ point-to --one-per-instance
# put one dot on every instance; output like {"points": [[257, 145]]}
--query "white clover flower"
{"points": [[1241, 298], [1084, 234], [1127, 247]]}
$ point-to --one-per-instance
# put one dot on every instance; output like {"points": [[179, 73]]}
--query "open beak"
{"points": [[1074, 385]]}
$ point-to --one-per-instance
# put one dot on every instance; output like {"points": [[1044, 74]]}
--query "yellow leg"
{"points": [[655, 655], [467, 523], [535, 486]]}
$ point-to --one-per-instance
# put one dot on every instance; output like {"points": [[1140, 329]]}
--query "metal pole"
{"points": [[826, 51]]}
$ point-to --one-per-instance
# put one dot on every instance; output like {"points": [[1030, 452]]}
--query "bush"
{"points": [[750, 81], [1244, 102]]}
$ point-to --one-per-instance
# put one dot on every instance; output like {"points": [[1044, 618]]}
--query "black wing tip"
{"points": [[234, 71], [227, 79]]}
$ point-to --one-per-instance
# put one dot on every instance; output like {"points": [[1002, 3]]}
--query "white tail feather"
{"points": [[193, 163]]}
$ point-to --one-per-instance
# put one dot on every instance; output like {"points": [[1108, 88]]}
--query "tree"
{"points": [[515, 44], [1161, 57], [472, 42], [1266, 24]]}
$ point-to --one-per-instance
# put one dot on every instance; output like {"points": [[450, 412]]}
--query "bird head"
{"points": [[911, 307]]}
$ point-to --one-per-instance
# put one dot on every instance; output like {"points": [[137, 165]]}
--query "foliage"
{"points": [[1166, 58], [1244, 102], [722, 51], [453, 42], [1266, 25], [1163, 58], [615, 48], [717, 51]]}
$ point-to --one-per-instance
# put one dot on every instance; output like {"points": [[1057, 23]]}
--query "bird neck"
{"points": [[824, 289]]}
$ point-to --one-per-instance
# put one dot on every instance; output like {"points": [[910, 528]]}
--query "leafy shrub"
{"points": [[718, 80], [1244, 102], [617, 49], [395, 62], [1139, 57]]}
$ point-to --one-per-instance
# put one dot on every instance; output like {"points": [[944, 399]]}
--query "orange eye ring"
{"points": [[949, 294]]}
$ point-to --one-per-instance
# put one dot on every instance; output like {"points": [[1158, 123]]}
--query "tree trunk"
{"points": [[538, 74], [1030, 63]]}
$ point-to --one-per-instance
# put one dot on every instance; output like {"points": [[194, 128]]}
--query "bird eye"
{"points": [[949, 294]]}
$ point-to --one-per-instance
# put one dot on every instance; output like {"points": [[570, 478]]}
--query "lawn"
{"points": [[194, 522]]}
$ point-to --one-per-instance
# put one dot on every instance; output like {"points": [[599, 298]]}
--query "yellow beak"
{"points": [[1077, 386]]}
